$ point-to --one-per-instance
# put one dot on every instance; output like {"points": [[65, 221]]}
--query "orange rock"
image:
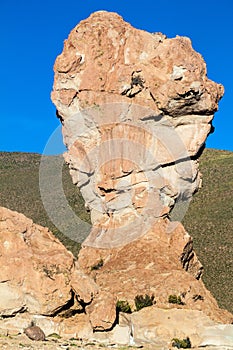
{"points": [[34, 267], [102, 311], [136, 109], [161, 263]]}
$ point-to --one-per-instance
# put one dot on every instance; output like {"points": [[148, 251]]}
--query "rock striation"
{"points": [[136, 108]]}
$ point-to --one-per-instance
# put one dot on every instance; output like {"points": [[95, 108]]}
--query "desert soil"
{"points": [[23, 343]]}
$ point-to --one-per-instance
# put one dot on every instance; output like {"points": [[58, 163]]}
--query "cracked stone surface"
{"points": [[35, 267], [136, 108]]}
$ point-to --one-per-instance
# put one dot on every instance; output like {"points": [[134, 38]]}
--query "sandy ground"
{"points": [[23, 343]]}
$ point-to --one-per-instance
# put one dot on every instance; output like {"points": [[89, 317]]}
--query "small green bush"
{"points": [[123, 306], [54, 335], [143, 301], [175, 299], [181, 344]]}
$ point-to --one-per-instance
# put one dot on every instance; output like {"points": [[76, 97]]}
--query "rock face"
{"points": [[34, 267], [157, 264], [39, 282], [136, 109]]}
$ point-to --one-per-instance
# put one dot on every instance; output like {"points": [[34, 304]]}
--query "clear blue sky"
{"points": [[32, 35]]}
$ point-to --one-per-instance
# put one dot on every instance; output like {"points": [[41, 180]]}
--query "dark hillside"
{"points": [[210, 221], [19, 190]]}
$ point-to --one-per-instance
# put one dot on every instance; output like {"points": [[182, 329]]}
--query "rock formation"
{"points": [[34, 267], [136, 109], [39, 281], [44, 291], [156, 264]]}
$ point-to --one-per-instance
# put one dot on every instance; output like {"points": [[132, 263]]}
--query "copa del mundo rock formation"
{"points": [[136, 109]]}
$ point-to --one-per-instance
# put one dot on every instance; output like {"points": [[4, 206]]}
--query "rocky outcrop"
{"points": [[160, 326], [153, 265], [35, 267], [49, 293], [136, 109], [39, 282]]}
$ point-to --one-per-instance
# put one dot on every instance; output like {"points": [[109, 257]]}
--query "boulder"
{"points": [[102, 311], [83, 286], [40, 283], [136, 109], [161, 264], [160, 326], [35, 333], [35, 267], [217, 335]]}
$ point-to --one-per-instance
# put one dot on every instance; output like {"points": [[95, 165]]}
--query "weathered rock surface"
{"points": [[35, 267], [160, 326], [161, 263], [41, 284], [76, 326], [102, 311], [217, 335], [35, 333], [97, 281], [136, 109]]}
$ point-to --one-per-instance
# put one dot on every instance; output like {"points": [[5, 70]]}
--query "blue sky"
{"points": [[32, 34]]}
